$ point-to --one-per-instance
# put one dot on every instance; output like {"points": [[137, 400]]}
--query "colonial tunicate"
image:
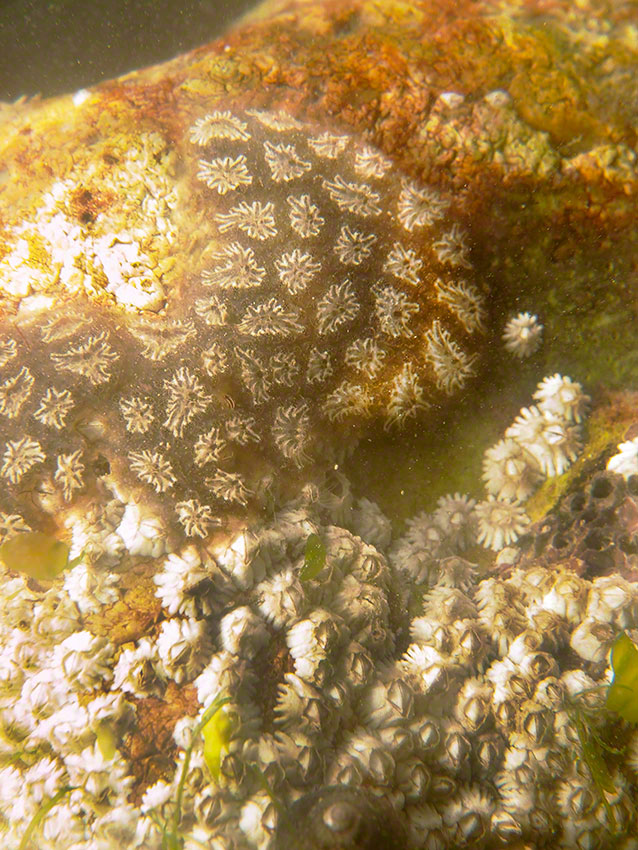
{"points": [[327, 290]]}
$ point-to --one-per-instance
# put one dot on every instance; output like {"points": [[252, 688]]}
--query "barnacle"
{"points": [[625, 461], [500, 522], [523, 335]]}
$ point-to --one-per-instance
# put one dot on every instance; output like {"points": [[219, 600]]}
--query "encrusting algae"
{"points": [[351, 241]]}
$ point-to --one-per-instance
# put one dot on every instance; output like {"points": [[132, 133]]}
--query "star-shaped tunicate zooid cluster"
{"points": [[327, 290]]}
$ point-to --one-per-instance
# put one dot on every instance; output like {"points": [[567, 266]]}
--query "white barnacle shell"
{"points": [[98, 775], [580, 686], [613, 599], [535, 725], [523, 335], [117, 826], [299, 757], [235, 560], [44, 778], [266, 752], [488, 750], [42, 692], [510, 471], [501, 611], [468, 816], [317, 637], [266, 549], [455, 517], [225, 673], [399, 740], [625, 461], [156, 796], [345, 770], [425, 826], [430, 631], [66, 729], [386, 703], [281, 598], [553, 440], [94, 535], [83, 659], [111, 709], [455, 746], [563, 397], [300, 705], [448, 604], [592, 639], [469, 643], [90, 589], [567, 597], [242, 632], [535, 666], [527, 641], [516, 798], [525, 763], [576, 795], [258, 819], [370, 567], [367, 750], [356, 664], [500, 522], [12, 675], [427, 669], [412, 779], [180, 574], [370, 523], [142, 532], [508, 684], [473, 704], [364, 607], [56, 616], [505, 825], [427, 732], [137, 670], [16, 597], [183, 646]]}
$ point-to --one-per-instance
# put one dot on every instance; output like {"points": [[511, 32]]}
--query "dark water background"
{"points": [[56, 46]]}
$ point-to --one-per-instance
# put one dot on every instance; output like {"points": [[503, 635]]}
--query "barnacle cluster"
{"points": [[325, 290], [447, 692], [542, 442]]}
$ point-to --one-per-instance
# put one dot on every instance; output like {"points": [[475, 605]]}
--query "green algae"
{"points": [[622, 694], [43, 810], [314, 558], [171, 838]]}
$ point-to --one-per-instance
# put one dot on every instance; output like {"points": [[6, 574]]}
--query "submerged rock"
{"points": [[215, 276]]}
